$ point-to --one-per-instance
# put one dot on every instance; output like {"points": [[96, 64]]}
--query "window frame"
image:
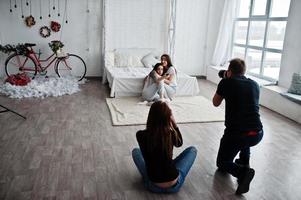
{"points": [[266, 18]]}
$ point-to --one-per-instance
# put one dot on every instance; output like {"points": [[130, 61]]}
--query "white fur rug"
{"points": [[42, 87], [128, 111]]}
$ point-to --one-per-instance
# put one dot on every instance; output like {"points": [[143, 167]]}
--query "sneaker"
{"points": [[241, 163], [244, 181]]}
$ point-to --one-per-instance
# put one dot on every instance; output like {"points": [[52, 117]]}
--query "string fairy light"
{"points": [[10, 8], [58, 8], [22, 9], [41, 9], [49, 15]]}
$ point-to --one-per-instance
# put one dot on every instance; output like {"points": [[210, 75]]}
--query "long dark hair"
{"points": [[169, 63], [157, 65], [159, 128]]}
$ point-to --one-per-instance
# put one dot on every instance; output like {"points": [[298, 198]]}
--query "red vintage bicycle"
{"points": [[27, 61]]}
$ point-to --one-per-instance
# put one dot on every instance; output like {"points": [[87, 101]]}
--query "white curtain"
{"points": [[222, 49]]}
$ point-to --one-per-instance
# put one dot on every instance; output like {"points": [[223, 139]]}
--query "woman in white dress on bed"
{"points": [[166, 87]]}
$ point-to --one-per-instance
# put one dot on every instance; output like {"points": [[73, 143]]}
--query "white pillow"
{"points": [[136, 61], [109, 59], [122, 60], [149, 60]]}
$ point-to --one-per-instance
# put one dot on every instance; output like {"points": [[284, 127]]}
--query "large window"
{"points": [[258, 36]]}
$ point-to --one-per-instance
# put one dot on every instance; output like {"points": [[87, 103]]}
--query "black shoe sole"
{"points": [[244, 185]]}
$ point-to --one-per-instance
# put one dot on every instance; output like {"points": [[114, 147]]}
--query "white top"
{"points": [[172, 71]]}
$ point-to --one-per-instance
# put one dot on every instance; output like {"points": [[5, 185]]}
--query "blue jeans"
{"points": [[183, 163], [230, 146]]}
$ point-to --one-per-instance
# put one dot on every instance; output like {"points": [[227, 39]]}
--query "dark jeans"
{"points": [[183, 164], [230, 145]]}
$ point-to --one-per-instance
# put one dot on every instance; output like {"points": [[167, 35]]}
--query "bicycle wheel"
{"points": [[72, 65], [16, 63]]}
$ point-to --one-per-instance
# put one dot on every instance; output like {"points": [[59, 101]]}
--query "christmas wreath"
{"points": [[29, 21], [55, 26], [45, 31]]}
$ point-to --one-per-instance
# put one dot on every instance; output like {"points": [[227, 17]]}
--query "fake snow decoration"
{"points": [[41, 87]]}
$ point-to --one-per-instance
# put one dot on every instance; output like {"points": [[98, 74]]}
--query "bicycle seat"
{"points": [[29, 44]]}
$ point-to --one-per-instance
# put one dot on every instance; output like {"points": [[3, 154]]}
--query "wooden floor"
{"points": [[68, 149]]}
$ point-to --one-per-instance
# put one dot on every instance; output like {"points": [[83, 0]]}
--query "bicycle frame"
{"points": [[39, 62]]}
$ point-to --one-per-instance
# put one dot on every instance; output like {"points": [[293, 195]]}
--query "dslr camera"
{"points": [[222, 73]]}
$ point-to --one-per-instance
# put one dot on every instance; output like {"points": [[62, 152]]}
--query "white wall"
{"points": [[291, 58], [82, 34], [135, 23]]}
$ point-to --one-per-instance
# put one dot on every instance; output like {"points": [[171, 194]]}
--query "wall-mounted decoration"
{"points": [[41, 9], [10, 8], [58, 8], [22, 9], [29, 21], [55, 26], [45, 31], [49, 15], [41, 6], [66, 13]]}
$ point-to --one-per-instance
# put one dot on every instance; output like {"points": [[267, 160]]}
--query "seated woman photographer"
{"points": [[160, 84], [161, 173]]}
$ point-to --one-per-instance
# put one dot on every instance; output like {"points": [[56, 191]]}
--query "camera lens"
{"points": [[222, 73]]}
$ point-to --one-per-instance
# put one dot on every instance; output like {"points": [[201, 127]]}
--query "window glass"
{"points": [[259, 7], [253, 60], [244, 8], [256, 33], [258, 37], [238, 52], [271, 65], [279, 8], [241, 28], [276, 32]]}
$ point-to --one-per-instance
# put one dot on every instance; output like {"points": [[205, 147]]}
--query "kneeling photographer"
{"points": [[242, 121]]}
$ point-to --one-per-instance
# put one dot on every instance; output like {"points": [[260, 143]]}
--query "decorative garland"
{"points": [[19, 49], [45, 31], [29, 21]]}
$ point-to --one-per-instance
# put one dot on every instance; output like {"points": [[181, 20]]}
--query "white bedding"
{"points": [[128, 81]]}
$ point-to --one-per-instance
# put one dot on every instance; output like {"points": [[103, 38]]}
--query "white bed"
{"points": [[128, 81]]}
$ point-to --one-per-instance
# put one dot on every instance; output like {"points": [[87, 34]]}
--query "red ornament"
{"points": [[55, 26]]}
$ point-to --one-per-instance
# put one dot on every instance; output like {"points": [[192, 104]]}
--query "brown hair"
{"points": [[237, 66], [159, 128], [167, 57], [157, 65]]}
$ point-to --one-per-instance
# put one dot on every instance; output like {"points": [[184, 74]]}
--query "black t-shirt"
{"points": [[159, 167], [242, 104]]}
